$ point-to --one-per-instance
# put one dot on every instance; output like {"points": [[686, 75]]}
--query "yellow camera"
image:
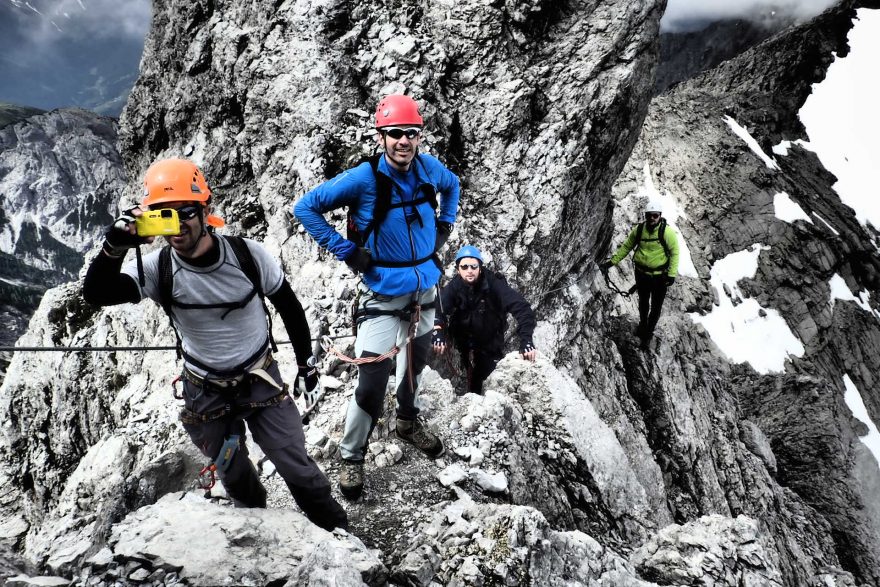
{"points": [[162, 222]]}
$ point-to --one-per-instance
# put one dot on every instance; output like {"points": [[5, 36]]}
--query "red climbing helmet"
{"points": [[398, 110]]}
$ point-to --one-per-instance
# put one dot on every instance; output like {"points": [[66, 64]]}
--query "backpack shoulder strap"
{"points": [[381, 207], [166, 292], [383, 196], [252, 272], [166, 279], [246, 262], [432, 194], [661, 234], [639, 228]]}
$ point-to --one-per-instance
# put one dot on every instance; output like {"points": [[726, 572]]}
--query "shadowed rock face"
{"points": [[671, 465], [684, 55]]}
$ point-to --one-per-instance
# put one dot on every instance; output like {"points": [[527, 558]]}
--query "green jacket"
{"points": [[650, 256]]}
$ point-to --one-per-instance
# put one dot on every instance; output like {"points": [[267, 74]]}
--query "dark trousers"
{"points": [[277, 429], [478, 365], [652, 292]]}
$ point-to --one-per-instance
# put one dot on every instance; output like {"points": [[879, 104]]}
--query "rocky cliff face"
{"points": [[795, 429], [599, 465]]}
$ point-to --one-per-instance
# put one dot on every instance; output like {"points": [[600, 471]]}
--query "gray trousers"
{"points": [[377, 334], [277, 429]]}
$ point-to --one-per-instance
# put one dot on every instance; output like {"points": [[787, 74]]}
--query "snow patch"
{"points": [[840, 291], [671, 212], [825, 222], [783, 147], [787, 209], [841, 120], [743, 330], [745, 135], [853, 399]]}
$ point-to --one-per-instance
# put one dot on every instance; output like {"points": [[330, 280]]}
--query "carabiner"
{"points": [[207, 477]]}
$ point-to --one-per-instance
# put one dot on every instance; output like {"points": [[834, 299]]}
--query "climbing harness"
{"points": [[229, 388], [412, 312], [129, 348], [246, 264]]}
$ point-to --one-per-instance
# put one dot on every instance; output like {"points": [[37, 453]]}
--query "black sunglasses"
{"points": [[652, 214], [397, 133], [185, 213], [466, 266]]}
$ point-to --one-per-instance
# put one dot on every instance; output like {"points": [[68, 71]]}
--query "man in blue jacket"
{"points": [[393, 236]]}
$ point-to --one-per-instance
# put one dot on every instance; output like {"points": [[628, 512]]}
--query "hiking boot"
{"points": [[414, 432], [351, 479]]}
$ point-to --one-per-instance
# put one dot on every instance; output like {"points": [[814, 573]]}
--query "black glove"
{"points": [[117, 239], [307, 382], [444, 229], [669, 280], [605, 265], [360, 260], [526, 346], [438, 337]]}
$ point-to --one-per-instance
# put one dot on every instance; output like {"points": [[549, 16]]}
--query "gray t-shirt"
{"points": [[217, 341]]}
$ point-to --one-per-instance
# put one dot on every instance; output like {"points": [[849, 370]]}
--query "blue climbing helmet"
{"points": [[468, 251]]}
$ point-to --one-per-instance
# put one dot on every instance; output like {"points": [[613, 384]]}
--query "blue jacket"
{"points": [[408, 233]]}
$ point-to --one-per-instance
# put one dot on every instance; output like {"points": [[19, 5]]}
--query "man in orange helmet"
{"points": [[394, 234], [212, 288]]}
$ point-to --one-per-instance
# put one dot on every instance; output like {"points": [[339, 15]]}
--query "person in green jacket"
{"points": [[656, 265]]}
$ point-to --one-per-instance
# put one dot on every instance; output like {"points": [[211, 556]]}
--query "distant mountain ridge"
{"points": [[60, 180], [685, 54], [10, 113]]}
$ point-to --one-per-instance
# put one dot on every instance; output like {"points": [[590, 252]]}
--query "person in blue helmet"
{"points": [[396, 226], [473, 311]]}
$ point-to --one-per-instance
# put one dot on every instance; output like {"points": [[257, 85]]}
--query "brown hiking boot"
{"points": [[351, 479], [414, 432]]}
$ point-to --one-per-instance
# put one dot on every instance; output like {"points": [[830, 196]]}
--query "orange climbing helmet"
{"points": [[398, 110], [177, 180]]}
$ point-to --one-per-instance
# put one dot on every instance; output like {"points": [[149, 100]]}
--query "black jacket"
{"points": [[476, 317]]}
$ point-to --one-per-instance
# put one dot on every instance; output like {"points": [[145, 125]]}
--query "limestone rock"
{"points": [[213, 544], [713, 550], [471, 544]]}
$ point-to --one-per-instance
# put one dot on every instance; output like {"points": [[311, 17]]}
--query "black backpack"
{"points": [[383, 205], [248, 267], [661, 232]]}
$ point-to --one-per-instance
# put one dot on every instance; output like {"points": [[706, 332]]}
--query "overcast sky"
{"points": [[50, 20], [70, 52], [681, 13]]}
